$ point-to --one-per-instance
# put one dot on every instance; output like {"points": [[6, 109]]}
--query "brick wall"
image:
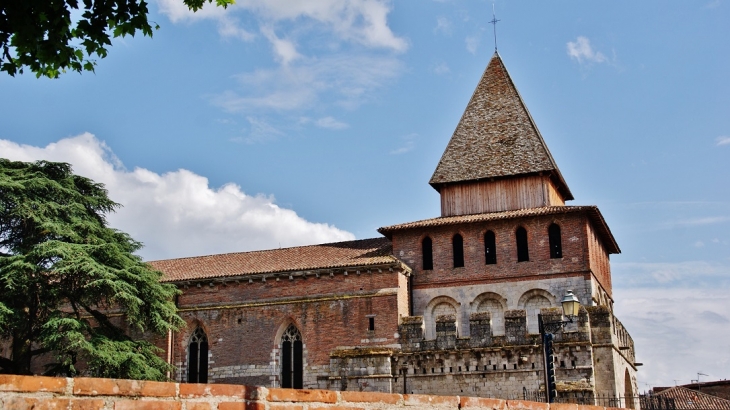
{"points": [[244, 320], [407, 247], [33, 392]]}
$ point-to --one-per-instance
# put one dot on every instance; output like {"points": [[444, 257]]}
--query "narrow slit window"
{"points": [[427, 252], [458, 244], [522, 254], [556, 242], [371, 324], [490, 251]]}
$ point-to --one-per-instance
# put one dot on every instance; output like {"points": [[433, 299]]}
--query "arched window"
{"points": [[198, 357], [490, 248], [458, 243], [442, 309], [292, 363], [427, 252], [532, 308], [556, 243], [522, 254]]}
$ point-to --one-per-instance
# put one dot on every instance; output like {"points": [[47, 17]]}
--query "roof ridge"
{"points": [[266, 250], [562, 207]]}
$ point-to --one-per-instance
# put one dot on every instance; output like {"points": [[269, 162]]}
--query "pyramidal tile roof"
{"points": [[363, 252], [496, 137]]}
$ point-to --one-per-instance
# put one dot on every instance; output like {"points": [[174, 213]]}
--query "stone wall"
{"points": [[33, 392]]}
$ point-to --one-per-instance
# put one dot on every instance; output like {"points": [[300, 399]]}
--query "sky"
{"points": [[274, 124]]}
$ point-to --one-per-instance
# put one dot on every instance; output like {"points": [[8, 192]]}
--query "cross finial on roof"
{"points": [[494, 23]]}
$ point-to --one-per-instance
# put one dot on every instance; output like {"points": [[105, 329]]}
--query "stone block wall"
{"points": [[34, 392], [587, 352]]}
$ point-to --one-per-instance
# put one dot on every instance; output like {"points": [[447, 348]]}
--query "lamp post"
{"points": [[571, 307]]}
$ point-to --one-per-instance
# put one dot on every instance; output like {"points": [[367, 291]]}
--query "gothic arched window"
{"points": [[556, 243], [427, 253], [292, 363], [490, 248], [198, 357], [458, 244], [522, 253]]}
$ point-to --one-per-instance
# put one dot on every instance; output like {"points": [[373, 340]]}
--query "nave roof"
{"points": [[364, 252]]}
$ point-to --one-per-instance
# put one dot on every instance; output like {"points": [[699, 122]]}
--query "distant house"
{"points": [[682, 398]]}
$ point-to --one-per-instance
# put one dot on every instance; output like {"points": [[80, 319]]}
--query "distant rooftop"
{"points": [[687, 399]]}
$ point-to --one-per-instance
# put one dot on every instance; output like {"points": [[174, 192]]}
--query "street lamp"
{"points": [[571, 307]]}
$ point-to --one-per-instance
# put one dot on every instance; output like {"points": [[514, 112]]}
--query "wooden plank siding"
{"points": [[500, 195]]}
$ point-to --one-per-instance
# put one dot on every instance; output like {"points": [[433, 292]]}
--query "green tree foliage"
{"points": [[70, 285], [53, 36]]}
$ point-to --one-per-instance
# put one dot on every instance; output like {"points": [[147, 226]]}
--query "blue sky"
{"points": [[275, 124]]}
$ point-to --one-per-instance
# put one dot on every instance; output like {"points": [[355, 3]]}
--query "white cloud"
{"points": [[472, 43], [409, 143], [709, 220], [228, 25], [443, 25], [325, 122], [582, 51], [441, 68], [696, 273], [359, 21], [330, 123], [178, 213], [722, 140], [699, 244], [284, 50], [677, 332], [347, 79]]}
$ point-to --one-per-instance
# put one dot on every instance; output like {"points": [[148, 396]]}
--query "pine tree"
{"points": [[70, 285]]}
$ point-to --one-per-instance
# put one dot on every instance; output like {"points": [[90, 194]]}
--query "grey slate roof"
{"points": [[496, 137]]}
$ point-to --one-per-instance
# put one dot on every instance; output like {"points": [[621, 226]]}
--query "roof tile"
{"points": [[687, 399], [496, 137], [364, 252]]}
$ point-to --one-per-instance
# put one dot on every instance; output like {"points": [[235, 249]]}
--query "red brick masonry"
{"points": [[34, 392]]}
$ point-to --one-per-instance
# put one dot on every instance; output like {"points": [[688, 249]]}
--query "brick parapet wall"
{"points": [[34, 392]]}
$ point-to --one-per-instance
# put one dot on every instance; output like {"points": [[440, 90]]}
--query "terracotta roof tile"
{"points": [[592, 211], [688, 399], [496, 137], [365, 252]]}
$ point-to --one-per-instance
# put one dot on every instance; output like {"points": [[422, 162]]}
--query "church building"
{"points": [[447, 305]]}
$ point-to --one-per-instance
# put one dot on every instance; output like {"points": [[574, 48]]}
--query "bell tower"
{"points": [[496, 159]]}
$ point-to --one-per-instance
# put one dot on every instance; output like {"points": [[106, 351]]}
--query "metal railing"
{"points": [[642, 401]]}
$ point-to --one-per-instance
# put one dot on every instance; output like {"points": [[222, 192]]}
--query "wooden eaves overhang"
{"points": [[594, 216]]}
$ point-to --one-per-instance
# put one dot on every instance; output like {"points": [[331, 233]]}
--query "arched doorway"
{"points": [[292, 363], [628, 390], [198, 357]]}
